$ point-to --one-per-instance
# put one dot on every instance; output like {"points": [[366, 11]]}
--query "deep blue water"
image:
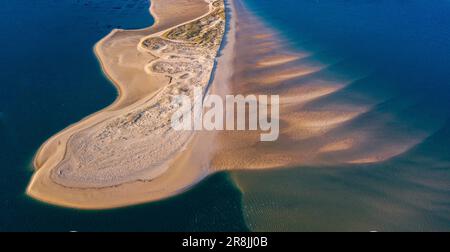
{"points": [[50, 78], [404, 43]]}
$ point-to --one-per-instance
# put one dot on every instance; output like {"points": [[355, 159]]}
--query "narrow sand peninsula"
{"points": [[128, 153], [122, 155]]}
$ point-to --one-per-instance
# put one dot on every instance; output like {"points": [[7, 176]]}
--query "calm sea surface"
{"points": [[50, 78]]}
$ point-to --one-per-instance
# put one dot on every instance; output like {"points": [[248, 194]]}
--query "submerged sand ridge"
{"points": [[323, 119]]}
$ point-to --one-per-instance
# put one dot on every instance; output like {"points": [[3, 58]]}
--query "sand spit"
{"points": [[128, 154], [122, 155]]}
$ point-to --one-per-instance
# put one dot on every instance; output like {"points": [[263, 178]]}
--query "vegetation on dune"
{"points": [[202, 31]]}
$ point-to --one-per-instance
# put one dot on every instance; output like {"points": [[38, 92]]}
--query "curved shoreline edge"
{"points": [[43, 190], [117, 86]]}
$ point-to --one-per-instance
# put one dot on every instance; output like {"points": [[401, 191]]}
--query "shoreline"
{"points": [[37, 189]]}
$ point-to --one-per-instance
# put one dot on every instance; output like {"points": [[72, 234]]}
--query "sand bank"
{"points": [[126, 154]]}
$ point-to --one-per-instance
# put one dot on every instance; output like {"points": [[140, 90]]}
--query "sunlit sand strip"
{"points": [[304, 94], [286, 75], [303, 125], [263, 36], [339, 145], [378, 147], [367, 160], [278, 60]]}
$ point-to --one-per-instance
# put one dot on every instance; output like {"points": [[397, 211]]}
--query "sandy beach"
{"points": [[140, 65], [127, 154]]}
